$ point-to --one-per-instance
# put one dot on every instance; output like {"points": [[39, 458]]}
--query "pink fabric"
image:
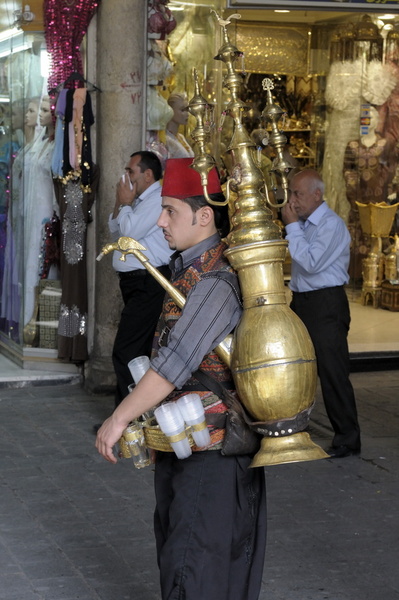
{"points": [[65, 25]]}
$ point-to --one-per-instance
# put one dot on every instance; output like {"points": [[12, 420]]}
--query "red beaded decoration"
{"points": [[65, 24]]}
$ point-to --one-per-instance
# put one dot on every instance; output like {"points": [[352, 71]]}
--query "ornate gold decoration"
{"points": [[376, 220], [274, 48]]}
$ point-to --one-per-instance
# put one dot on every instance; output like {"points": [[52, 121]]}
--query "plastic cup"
{"points": [[193, 413], [172, 424], [132, 445], [138, 367], [149, 413]]}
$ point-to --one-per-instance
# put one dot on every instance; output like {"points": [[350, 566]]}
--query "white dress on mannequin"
{"points": [[13, 263], [178, 146], [349, 84], [39, 204]]}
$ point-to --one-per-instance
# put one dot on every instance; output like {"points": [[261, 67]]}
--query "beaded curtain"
{"points": [[65, 24]]}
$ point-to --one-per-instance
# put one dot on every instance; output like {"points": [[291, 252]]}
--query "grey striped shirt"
{"points": [[211, 312]]}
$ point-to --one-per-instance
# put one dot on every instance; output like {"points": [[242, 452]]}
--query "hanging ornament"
{"points": [[65, 24]]}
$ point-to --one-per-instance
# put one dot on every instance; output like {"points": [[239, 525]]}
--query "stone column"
{"points": [[121, 47]]}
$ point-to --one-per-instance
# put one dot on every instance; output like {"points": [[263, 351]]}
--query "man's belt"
{"points": [[136, 273]]}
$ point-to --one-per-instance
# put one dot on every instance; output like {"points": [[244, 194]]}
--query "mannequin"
{"points": [[39, 205], [349, 84], [176, 143], [31, 120], [20, 185], [17, 122], [368, 171]]}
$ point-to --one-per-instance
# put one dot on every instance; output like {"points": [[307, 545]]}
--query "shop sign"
{"points": [[341, 5]]}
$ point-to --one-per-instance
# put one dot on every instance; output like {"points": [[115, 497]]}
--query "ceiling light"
{"points": [[282, 11], [22, 17]]}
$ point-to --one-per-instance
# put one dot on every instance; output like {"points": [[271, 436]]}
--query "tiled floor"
{"points": [[10, 372], [372, 330]]}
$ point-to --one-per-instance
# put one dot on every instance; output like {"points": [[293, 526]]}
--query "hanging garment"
{"points": [[74, 204]]}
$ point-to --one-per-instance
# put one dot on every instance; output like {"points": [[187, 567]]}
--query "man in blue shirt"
{"points": [[135, 214], [319, 247]]}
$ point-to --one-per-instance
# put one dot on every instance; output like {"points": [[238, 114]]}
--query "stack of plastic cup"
{"points": [[193, 413], [138, 367], [172, 425]]}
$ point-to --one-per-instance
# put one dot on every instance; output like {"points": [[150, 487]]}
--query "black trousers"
{"points": [[326, 315], [210, 526], [143, 298]]}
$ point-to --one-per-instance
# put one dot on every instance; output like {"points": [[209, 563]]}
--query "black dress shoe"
{"points": [[342, 451]]}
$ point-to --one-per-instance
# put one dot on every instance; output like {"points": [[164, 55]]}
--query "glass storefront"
{"points": [[335, 74], [27, 207], [46, 192]]}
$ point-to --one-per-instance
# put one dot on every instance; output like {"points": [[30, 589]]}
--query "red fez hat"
{"points": [[181, 181]]}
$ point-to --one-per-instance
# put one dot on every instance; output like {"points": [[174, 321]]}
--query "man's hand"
{"points": [[289, 214], [107, 436], [148, 393], [125, 195]]}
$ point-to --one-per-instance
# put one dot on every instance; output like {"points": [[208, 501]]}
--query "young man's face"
{"points": [[181, 227]]}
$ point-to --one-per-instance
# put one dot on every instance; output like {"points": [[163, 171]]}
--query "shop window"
{"points": [[182, 36], [336, 76], [29, 226]]}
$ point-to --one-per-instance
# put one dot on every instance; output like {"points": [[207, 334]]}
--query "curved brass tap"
{"points": [[272, 112], [203, 162]]}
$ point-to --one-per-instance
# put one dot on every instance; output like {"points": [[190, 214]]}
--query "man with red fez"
{"points": [[210, 516]]}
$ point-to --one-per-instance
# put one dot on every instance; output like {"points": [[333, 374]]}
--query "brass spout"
{"points": [[272, 112], [127, 245], [203, 162]]}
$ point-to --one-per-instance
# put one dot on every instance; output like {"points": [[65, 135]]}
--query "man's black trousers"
{"points": [[143, 298], [325, 313], [210, 526]]}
